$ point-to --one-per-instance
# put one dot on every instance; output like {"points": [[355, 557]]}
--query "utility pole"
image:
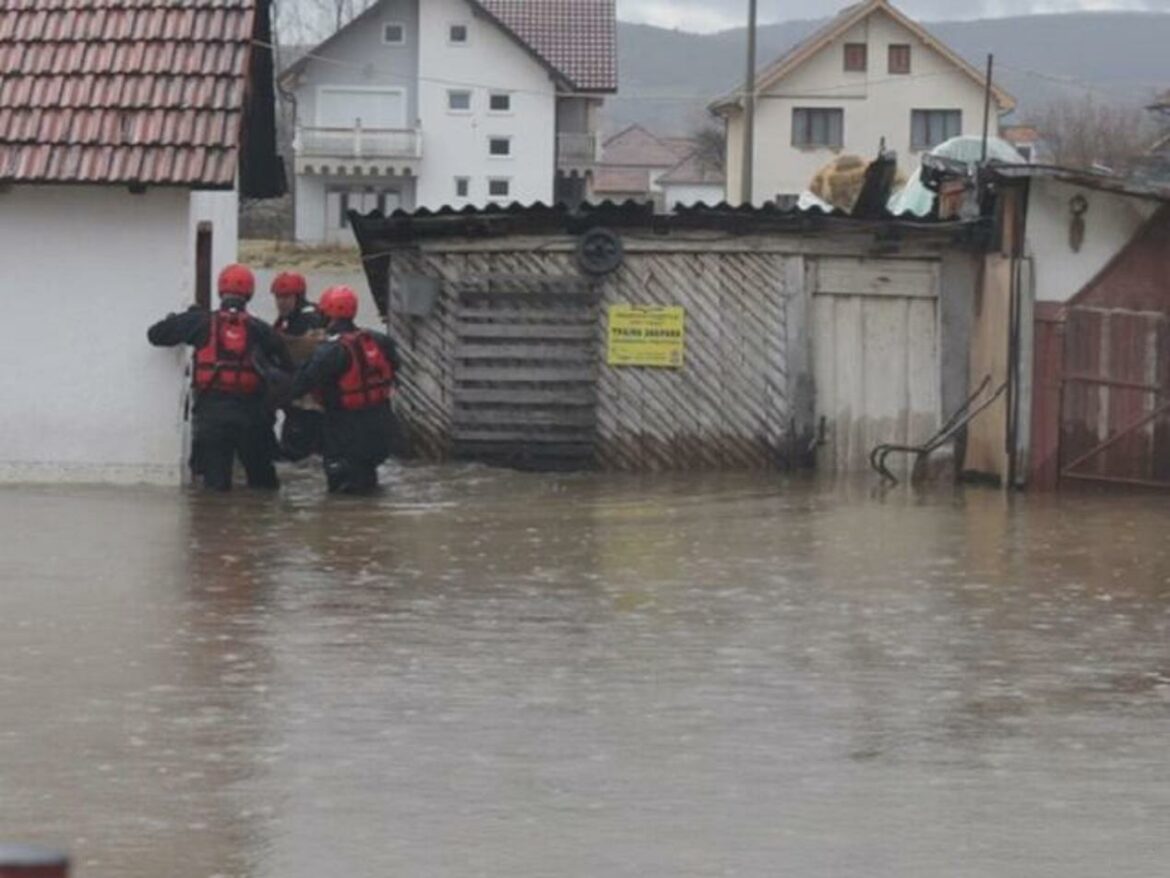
{"points": [[987, 105], [749, 109]]}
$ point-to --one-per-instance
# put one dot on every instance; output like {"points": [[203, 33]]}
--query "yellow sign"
{"points": [[650, 336]]}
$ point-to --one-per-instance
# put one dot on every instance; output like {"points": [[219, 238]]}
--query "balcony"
{"points": [[403, 144], [578, 151]]}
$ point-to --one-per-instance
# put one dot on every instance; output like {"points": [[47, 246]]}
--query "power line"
{"points": [[372, 71]]}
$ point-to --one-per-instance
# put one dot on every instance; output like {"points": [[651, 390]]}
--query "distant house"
{"points": [[694, 180], [872, 75], [428, 103], [1027, 141], [128, 133], [639, 165]]}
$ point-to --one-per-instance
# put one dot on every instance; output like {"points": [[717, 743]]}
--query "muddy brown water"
{"points": [[491, 674]]}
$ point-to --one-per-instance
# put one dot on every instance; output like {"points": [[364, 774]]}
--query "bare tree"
{"points": [[1089, 134], [711, 141], [330, 16]]}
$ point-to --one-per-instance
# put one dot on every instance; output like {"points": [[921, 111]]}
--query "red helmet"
{"points": [[289, 283], [237, 280], [339, 303]]}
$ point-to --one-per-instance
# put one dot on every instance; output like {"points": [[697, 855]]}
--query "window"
{"points": [[499, 188], [457, 35], [856, 57], [500, 147], [394, 34], [459, 101], [818, 127], [929, 128], [343, 220], [501, 102], [462, 187], [899, 59]]}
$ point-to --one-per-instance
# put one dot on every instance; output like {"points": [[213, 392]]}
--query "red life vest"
{"points": [[224, 363], [368, 382]]}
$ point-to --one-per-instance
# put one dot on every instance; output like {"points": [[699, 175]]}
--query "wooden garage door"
{"points": [[876, 356]]}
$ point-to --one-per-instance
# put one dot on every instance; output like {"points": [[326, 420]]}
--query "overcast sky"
{"points": [[710, 15]]}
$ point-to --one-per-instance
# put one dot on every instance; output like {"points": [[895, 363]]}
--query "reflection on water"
{"points": [[488, 673]]}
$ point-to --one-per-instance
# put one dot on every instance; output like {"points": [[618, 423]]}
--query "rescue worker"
{"points": [[302, 326], [297, 316], [231, 416], [353, 373]]}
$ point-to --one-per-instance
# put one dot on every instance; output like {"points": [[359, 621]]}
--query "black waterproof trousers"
{"points": [[226, 427]]}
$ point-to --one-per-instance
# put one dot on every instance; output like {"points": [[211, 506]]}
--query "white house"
{"points": [[122, 157], [692, 181], [433, 103], [871, 75]]}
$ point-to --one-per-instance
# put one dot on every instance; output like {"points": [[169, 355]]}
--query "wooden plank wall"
{"points": [[727, 408]]}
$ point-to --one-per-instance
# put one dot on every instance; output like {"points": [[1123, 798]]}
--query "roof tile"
{"points": [[123, 91], [576, 37]]}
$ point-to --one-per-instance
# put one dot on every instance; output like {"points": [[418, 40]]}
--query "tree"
{"points": [[1089, 134], [712, 147]]}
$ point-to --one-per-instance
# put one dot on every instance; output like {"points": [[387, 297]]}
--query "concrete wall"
{"points": [[876, 105], [1110, 223], [370, 62], [91, 267], [456, 144]]}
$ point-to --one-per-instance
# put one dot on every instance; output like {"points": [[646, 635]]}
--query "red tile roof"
{"points": [[123, 91], [636, 147], [578, 38]]}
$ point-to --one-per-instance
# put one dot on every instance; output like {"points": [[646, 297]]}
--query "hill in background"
{"points": [[669, 77]]}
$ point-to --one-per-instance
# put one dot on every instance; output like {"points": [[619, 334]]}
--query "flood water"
{"points": [[493, 674]]}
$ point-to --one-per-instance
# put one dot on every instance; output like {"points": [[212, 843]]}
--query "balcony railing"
{"points": [[578, 149], [360, 143]]}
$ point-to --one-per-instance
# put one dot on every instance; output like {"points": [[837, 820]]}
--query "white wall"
{"points": [[1110, 223], [83, 272], [687, 195], [457, 144], [222, 210], [318, 215], [876, 104], [370, 63]]}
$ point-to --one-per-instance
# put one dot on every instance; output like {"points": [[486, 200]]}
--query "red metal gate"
{"points": [[1115, 396]]}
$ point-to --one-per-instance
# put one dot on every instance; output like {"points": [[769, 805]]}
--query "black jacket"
{"points": [[301, 321], [331, 360], [193, 327]]}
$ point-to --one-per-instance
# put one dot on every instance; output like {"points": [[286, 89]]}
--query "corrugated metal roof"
{"points": [[541, 219], [123, 91]]}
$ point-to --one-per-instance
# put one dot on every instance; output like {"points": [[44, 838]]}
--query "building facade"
{"points": [[449, 103], [871, 78], [117, 205]]}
